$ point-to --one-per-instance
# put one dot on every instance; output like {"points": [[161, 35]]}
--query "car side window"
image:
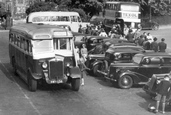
{"points": [[155, 61]]}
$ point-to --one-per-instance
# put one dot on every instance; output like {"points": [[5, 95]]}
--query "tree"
{"points": [[41, 6]]}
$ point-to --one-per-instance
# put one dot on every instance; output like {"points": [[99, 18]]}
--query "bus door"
{"points": [[75, 23]]}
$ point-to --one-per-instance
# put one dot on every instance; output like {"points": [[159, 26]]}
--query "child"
{"points": [[162, 91]]}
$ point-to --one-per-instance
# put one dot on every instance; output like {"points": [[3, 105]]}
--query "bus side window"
{"points": [[15, 39], [79, 19], [29, 47], [22, 43], [18, 41], [73, 18], [25, 45], [11, 37]]}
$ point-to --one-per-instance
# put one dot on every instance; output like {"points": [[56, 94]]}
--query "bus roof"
{"points": [[52, 13], [33, 30]]}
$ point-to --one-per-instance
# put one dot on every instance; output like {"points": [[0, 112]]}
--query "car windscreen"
{"points": [[137, 59]]}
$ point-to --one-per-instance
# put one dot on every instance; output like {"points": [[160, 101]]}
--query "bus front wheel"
{"points": [[75, 84], [32, 83]]}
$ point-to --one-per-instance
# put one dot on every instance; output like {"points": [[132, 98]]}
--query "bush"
{"points": [[162, 20]]}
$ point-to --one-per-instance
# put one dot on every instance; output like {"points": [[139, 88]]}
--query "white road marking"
{"points": [[25, 95]]}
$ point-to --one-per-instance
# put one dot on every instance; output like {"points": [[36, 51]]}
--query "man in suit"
{"points": [[162, 45]]}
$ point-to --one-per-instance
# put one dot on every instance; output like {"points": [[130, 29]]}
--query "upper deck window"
{"points": [[129, 7], [62, 44], [40, 46]]}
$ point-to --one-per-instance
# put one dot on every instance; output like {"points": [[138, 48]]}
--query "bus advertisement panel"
{"points": [[41, 53]]}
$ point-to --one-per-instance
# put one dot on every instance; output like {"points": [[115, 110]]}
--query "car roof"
{"points": [[155, 54]]}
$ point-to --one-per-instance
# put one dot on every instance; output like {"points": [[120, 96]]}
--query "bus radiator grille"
{"points": [[56, 70]]}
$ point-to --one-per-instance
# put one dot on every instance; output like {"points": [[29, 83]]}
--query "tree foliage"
{"points": [[41, 6], [94, 7], [2, 9]]}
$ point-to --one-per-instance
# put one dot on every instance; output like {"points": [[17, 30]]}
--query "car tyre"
{"points": [[95, 68], [125, 82], [75, 84], [32, 83]]}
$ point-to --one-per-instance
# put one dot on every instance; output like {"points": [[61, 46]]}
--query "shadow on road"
{"points": [[148, 101]]}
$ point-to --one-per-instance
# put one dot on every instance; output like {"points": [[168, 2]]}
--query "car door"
{"points": [[166, 65], [149, 66]]}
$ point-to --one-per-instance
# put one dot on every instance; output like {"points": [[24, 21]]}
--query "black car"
{"points": [[93, 41], [101, 52], [142, 67], [149, 24]]}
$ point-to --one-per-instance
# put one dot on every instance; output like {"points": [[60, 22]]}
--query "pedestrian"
{"points": [[163, 89], [103, 33], [150, 37], [141, 40], [154, 45], [130, 36], [146, 44], [162, 45], [80, 29], [83, 59]]}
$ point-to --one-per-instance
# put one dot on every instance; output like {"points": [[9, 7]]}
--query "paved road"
{"points": [[97, 97]]}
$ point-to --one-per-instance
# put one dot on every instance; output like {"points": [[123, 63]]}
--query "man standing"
{"points": [[154, 45], [162, 90], [162, 45]]}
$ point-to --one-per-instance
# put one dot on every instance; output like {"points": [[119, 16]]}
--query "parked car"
{"points": [[149, 24], [97, 55], [142, 67]]}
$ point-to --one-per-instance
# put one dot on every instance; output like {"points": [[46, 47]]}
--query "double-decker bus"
{"points": [[129, 12], [41, 53]]}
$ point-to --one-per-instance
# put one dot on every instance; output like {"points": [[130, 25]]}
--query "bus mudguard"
{"points": [[134, 77], [75, 72], [34, 76]]}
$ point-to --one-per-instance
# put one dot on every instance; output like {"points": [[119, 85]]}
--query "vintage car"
{"points": [[90, 40], [93, 41], [97, 55], [151, 86], [142, 67]]}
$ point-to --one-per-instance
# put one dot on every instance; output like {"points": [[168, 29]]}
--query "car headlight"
{"points": [[44, 65], [117, 55]]}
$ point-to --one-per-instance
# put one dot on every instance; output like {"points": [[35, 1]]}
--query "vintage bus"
{"points": [[41, 53], [71, 19], [129, 12]]}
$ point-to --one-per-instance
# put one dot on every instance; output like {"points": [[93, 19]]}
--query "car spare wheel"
{"points": [[32, 83], [75, 84], [125, 82]]}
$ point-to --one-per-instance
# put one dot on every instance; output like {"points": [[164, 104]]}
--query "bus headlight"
{"points": [[44, 65]]}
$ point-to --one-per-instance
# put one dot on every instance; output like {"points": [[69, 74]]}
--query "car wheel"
{"points": [[95, 68], [125, 82], [155, 27], [75, 84], [32, 83]]}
